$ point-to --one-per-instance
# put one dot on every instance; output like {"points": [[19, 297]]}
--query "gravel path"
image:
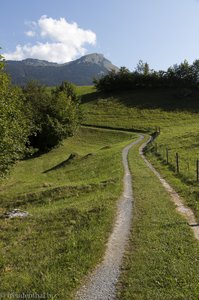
{"points": [[101, 283], [178, 201]]}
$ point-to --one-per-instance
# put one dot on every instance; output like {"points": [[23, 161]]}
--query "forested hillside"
{"points": [[81, 71]]}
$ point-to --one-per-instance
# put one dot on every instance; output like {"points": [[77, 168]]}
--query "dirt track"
{"points": [[101, 283], [178, 201]]}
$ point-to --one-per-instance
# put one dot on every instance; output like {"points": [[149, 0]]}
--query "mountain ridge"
{"points": [[81, 71]]}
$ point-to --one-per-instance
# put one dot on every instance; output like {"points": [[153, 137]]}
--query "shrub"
{"points": [[55, 114]]}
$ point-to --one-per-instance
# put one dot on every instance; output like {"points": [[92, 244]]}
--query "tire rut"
{"points": [[176, 199]]}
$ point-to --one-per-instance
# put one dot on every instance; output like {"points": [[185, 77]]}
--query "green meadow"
{"points": [[71, 200], [162, 259], [71, 194], [177, 118]]}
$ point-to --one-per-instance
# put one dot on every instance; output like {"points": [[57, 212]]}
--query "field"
{"points": [[71, 202], [162, 260], [70, 194], [178, 121]]}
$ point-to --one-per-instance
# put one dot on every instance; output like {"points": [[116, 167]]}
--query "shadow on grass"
{"points": [[91, 97], [72, 157], [183, 178], [168, 99], [194, 225], [148, 130]]}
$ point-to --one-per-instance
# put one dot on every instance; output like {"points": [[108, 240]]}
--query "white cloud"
{"points": [[60, 41], [30, 33]]}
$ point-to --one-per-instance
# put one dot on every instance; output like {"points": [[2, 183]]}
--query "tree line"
{"points": [[183, 75], [34, 118]]}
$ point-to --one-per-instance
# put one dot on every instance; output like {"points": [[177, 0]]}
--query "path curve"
{"points": [[176, 199], [101, 283]]}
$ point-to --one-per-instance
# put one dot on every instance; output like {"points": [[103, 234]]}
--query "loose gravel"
{"points": [[100, 285]]}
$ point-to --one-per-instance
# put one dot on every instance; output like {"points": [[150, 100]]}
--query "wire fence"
{"points": [[180, 163]]}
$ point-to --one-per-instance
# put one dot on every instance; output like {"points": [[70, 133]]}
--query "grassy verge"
{"points": [[85, 90], [162, 261], [143, 110], [71, 202], [178, 119], [188, 189]]}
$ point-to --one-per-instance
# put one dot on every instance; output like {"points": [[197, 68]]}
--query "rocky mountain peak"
{"points": [[81, 71]]}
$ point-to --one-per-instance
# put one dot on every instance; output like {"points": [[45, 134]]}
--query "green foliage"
{"points": [[55, 115], [1, 62], [35, 117], [182, 75], [14, 124], [67, 89], [142, 68]]}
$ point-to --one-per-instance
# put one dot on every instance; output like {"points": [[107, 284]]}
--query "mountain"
{"points": [[81, 71]]}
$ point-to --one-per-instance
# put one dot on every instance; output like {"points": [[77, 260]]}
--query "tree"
{"points": [[142, 68], [177, 76], [55, 115], [195, 72], [124, 71], [14, 125], [68, 89]]}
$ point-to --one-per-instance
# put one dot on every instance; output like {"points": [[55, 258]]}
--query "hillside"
{"points": [[81, 71], [71, 194], [145, 110]]}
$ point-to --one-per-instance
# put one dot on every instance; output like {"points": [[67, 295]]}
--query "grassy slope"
{"points": [[84, 90], [65, 235], [163, 258], [178, 120], [140, 109], [162, 261]]}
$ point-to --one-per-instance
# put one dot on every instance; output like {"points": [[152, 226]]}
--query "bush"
{"points": [[55, 114]]}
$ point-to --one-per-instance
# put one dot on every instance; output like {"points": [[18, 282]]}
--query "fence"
{"points": [[187, 167]]}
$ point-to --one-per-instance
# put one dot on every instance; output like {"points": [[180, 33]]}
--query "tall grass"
{"points": [[71, 206]]}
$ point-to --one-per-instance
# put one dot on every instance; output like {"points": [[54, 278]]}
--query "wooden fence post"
{"points": [[177, 163], [197, 170]]}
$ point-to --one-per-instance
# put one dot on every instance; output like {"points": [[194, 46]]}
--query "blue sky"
{"points": [[160, 32]]}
